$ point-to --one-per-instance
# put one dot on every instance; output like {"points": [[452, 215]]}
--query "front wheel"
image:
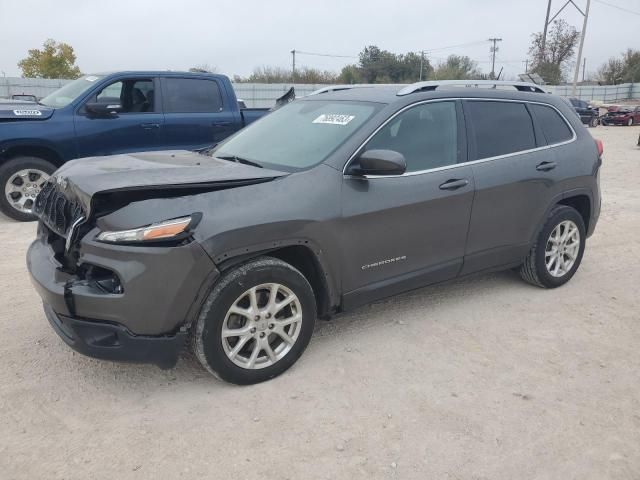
{"points": [[558, 250], [256, 322], [594, 122], [22, 178], [630, 122]]}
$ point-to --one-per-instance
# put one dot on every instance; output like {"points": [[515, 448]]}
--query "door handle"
{"points": [[546, 166], [454, 184], [149, 126], [221, 124]]}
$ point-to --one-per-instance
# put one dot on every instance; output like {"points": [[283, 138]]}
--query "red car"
{"points": [[626, 115]]}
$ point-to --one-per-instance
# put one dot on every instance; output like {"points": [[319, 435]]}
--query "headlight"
{"points": [[167, 230]]}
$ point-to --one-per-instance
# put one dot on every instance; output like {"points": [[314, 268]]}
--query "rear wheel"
{"points": [[21, 179], [256, 322], [630, 122], [558, 250], [593, 122]]}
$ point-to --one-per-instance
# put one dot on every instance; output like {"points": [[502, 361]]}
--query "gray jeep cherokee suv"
{"points": [[349, 195]]}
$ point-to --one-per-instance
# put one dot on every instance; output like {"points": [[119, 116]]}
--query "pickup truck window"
{"points": [[67, 94], [135, 95], [299, 135], [191, 95]]}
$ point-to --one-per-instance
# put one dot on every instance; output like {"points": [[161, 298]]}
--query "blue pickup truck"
{"points": [[108, 114]]}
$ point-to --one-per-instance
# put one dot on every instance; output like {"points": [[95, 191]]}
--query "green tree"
{"points": [[631, 60], [612, 72], [553, 63], [381, 66], [457, 67], [55, 60]]}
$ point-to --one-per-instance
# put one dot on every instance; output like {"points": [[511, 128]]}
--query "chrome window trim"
{"points": [[471, 162]]}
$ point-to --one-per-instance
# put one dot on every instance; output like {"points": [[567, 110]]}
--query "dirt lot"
{"points": [[481, 378]]}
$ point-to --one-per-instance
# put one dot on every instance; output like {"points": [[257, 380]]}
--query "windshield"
{"points": [[299, 135], [67, 94]]}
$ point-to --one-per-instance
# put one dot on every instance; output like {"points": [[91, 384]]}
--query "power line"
{"points": [[324, 54], [618, 7]]}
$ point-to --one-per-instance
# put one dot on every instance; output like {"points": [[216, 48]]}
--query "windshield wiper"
{"points": [[244, 161]]}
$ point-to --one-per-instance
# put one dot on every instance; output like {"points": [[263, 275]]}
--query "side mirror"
{"points": [[103, 109], [379, 162]]}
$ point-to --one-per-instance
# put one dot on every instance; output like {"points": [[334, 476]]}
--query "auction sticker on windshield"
{"points": [[334, 119]]}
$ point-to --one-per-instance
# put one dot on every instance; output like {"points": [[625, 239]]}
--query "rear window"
{"points": [[500, 128], [554, 127], [191, 95]]}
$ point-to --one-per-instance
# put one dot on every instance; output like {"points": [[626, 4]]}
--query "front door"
{"points": [[134, 128], [402, 232]]}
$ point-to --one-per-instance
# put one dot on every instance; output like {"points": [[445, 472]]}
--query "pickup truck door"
{"points": [[197, 113], [404, 231], [134, 128]]}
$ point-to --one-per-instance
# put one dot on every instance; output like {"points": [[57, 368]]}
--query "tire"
{"points": [[215, 352], [593, 123], [534, 270], [38, 171], [630, 122]]}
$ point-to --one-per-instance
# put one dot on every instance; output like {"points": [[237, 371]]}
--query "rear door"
{"points": [[195, 113], [135, 128], [517, 176], [404, 231]]}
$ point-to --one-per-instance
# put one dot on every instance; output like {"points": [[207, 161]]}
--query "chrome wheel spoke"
{"points": [[252, 336], [23, 187], [561, 250]]}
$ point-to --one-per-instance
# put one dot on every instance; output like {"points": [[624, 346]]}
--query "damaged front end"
{"points": [[116, 294]]}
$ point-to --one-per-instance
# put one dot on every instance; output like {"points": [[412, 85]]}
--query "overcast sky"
{"points": [[236, 36]]}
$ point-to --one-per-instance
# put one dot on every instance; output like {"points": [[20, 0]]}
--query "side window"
{"points": [[500, 128], [134, 96], [553, 126], [427, 136], [191, 95]]}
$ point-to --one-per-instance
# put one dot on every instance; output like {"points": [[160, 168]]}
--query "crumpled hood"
{"points": [[166, 170], [17, 110]]}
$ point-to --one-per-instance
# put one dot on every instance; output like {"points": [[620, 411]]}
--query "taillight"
{"points": [[600, 147]]}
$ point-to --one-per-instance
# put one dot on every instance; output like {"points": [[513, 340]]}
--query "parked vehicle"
{"points": [[110, 114], [588, 114], [626, 115], [341, 198]]}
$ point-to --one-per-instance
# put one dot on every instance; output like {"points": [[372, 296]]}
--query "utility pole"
{"points": [[526, 66], [584, 68], [421, 63], [494, 49], [544, 33], [293, 66], [582, 35]]}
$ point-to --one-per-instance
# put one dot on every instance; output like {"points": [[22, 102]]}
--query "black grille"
{"points": [[55, 210]]}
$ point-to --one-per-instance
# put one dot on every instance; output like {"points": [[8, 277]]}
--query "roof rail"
{"points": [[335, 88], [432, 85]]}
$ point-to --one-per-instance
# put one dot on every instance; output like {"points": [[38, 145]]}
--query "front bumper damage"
{"points": [[145, 318]]}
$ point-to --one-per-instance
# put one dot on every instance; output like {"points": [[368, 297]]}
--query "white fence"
{"points": [[265, 94]]}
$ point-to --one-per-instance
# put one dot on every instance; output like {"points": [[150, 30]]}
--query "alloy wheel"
{"points": [[562, 248], [23, 187], [261, 326]]}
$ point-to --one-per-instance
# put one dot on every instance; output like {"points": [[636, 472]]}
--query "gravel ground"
{"points": [[484, 377]]}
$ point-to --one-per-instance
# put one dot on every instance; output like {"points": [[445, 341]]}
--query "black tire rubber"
{"points": [[206, 331], [7, 169], [534, 270]]}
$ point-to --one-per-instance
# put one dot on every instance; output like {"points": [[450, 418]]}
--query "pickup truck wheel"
{"points": [[558, 250], [593, 123], [256, 322], [21, 179]]}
